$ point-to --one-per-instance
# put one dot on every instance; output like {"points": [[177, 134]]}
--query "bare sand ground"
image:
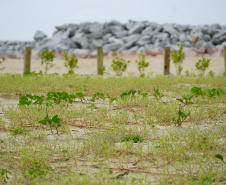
{"points": [[89, 66]]}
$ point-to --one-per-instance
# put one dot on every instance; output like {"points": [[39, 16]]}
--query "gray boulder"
{"points": [[96, 28], [112, 46], [170, 30], [219, 38], [115, 40], [146, 39], [213, 31], [147, 30], [131, 38], [116, 30], [207, 45], [95, 43], [39, 35], [113, 23], [130, 25], [82, 42], [137, 28], [121, 34]]}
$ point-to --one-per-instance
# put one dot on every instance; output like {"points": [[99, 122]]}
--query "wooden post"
{"points": [[225, 59], [27, 59], [99, 60], [167, 60]]}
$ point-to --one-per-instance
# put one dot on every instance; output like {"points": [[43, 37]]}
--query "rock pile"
{"points": [[131, 36]]}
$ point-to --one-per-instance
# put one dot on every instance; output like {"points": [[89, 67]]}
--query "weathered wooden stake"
{"points": [[27, 59], [100, 60], [167, 60], [225, 59]]}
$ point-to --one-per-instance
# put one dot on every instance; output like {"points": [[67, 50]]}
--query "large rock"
{"points": [[170, 30], [112, 46], [132, 35], [95, 43], [39, 35], [147, 30], [137, 28], [96, 28], [219, 38], [82, 42], [131, 40], [144, 40]]}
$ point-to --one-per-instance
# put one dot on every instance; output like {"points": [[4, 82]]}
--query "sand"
{"points": [[89, 66]]}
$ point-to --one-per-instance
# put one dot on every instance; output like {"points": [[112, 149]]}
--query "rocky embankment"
{"points": [[127, 38]]}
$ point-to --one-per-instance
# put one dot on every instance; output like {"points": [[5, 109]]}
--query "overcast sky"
{"points": [[20, 19]]}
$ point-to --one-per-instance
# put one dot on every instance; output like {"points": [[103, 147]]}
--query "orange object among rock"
{"points": [[195, 40]]}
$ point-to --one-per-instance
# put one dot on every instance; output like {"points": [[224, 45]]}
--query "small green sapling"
{"points": [[178, 58], [181, 115], [157, 94], [202, 65], [71, 62], [47, 57], [1, 61], [142, 63], [53, 122], [119, 65]]}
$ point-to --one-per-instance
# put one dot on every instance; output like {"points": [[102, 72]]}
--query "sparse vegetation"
{"points": [[126, 137], [1, 61], [178, 58], [71, 62], [47, 57], [142, 63], [202, 65], [119, 65]]}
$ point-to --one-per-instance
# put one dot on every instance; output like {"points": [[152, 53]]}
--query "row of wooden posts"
{"points": [[100, 60]]}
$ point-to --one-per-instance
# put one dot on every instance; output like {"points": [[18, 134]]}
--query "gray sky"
{"points": [[20, 19]]}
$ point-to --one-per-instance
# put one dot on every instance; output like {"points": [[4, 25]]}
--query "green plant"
{"points": [[144, 95], [218, 156], [4, 175], [187, 73], [18, 130], [142, 63], [119, 65], [211, 73], [212, 93], [1, 61], [47, 57], [111, 100], [103, 70], [178, 58], [53, 122], [31, 99], [80, 95], [57, 97], [202, 65], [128, 93], [197, 91], [37, 170], [97, 95], [133, 138], [157, 94], [181, 115], [33, 73], [71, 62]]}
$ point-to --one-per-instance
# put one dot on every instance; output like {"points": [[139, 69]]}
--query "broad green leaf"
{"points": [[30, 96], [218, 156], [190, 97], [190, 103], [43, 122], [180, 100], [185, 97]]}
